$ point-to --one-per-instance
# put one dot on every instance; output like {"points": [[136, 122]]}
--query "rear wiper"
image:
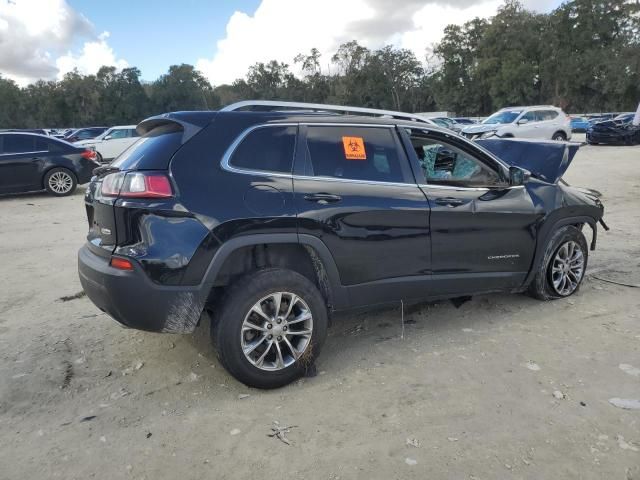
{"points": [[104, 169]]}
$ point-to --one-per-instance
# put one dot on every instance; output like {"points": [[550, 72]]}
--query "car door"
{"points": [[550, 123], [354, 190], [531, 127], [481, 228], [19, 162]]}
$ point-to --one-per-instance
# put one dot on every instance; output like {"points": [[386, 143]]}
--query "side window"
{"points": [[354, 153], [118, 133], [133, 133], [18, 144], [549, 115], [532, 116], [84, 135], [266, 149], [444, 164], [42, 145]]}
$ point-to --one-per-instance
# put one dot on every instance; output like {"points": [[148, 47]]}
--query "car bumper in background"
{"points": [[132, 299]]}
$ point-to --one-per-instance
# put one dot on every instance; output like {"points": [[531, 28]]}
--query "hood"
{"points": [[481, 128], [547, 161]]}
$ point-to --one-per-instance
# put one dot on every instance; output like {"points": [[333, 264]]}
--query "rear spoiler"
{"points": [[190, 122]]}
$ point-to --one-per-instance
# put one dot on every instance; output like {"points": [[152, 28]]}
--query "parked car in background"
{"points": [[540, 122], [464, 121], [579, 124], [617, 131], [112, 142], [447, 122], [83, 134], [270, 220], [30, 162]]}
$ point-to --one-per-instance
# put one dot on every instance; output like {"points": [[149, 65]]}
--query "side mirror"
{"points": [[518, 176], [523, 121], [108, 137]]}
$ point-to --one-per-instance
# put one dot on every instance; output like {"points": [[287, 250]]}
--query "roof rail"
{"points": [[269, 105]]}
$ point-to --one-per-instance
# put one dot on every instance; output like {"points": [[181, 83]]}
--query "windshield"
{"points": [[440, 122], [507, 116], [103, 134], [625, 117]]}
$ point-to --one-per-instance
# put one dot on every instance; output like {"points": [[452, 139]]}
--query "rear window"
{"points": [[152, 150]]}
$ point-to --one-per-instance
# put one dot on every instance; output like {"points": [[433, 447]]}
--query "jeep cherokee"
{"points": [[270, 220]]}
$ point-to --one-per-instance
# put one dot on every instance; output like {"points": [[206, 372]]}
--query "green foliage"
{"points": [[583, 56]]}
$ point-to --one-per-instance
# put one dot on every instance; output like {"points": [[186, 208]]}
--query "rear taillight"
{"points": [[136, 185], [121, 263], [90, 155]]}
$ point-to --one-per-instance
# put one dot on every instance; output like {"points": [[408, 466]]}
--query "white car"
{"points": [[112, 142], [539, 122]]}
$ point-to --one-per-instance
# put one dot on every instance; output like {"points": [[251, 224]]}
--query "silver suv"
{"points": [[540, 122]]}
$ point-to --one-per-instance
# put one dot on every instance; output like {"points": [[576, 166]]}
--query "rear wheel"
{"points": [[559, 136], [270, 327], [60, 182], [563, 266]]}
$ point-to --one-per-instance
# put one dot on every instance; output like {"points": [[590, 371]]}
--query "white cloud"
{"points": [[430, 21], [34, 33], [93, 56], [280, 29]]}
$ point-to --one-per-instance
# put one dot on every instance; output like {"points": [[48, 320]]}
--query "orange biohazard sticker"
{"points": [[354, 148]]}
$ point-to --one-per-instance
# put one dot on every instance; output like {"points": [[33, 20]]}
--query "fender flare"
{"points": [[337, 292], [547, 230]]}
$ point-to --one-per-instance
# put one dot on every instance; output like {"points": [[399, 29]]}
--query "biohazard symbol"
{"points": [[354, 148]]}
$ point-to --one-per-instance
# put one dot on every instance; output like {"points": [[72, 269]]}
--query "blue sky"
{"points": [[45, 39], [154, 35]]}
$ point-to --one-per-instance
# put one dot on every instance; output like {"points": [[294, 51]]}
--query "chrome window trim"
{"points": [[355, 181], [225, 162], [476, 189]]}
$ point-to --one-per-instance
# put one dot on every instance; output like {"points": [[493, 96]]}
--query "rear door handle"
{"points": [[449, 201], [322, 197]]}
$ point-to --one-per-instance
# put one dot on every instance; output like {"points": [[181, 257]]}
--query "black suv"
{"points": [[268, 216]]}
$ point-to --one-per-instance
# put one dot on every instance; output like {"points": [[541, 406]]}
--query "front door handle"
{"points": [[449, 201], [323, 198]]}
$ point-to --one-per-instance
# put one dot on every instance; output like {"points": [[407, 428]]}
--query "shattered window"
{"points": [[447, 165]]}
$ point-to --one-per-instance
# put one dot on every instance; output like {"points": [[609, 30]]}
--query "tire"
{"points": [[99, 158], [232, 335], [60, 182], [545, 283], [559, 137]]}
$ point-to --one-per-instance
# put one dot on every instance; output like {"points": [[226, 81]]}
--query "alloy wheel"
{"points": [[276, 331], [567, 268], [60, 182]]}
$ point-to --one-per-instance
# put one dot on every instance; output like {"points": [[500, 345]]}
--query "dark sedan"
{"points": [[618, 131], [30, 162]]}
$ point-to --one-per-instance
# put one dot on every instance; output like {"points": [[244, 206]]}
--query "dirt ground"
{"points": [[468, 393]]}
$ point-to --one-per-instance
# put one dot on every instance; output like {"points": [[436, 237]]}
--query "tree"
{"points": [[182, 88]]}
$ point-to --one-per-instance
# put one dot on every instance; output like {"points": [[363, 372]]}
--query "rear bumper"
{"points": [[132, 299]]}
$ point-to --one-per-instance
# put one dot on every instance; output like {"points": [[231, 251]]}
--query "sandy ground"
{"points": [[467, 394]]}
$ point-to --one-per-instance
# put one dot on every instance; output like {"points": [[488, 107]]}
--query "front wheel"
{"points": [[563, 266], [270, 327]]}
